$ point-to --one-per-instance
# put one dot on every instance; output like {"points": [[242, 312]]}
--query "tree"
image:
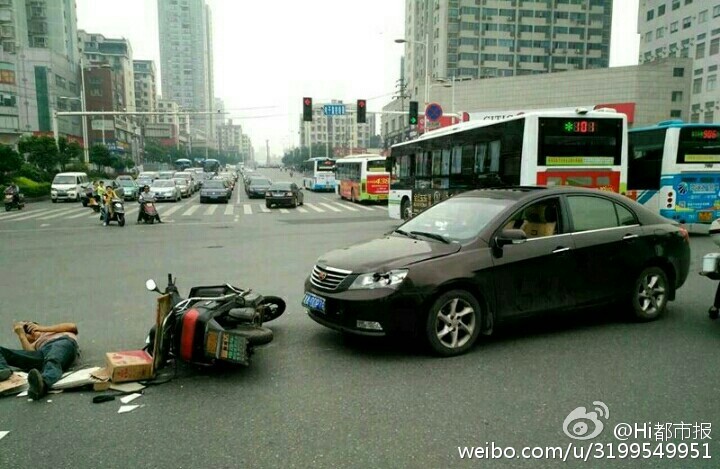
{"points": [[100, 156], [68, 151], [40, 151], [154, 151], [10, 160]]}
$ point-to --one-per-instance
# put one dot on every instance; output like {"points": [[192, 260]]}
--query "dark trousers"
{"points": [[52, 359]]}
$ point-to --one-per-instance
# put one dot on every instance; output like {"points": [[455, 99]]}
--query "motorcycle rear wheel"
{"points": [[255, 335], [270, 315]]}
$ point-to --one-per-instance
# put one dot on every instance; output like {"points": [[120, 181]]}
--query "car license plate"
{"points": [[314, 302], [706, 216]]}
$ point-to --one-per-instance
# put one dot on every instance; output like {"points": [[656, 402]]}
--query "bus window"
{"points": [[375, 166], [480, 155], [593, 142], [456, 162], [495, 156], [436, 162], [645, 159], [445, 165], [699, 145]]}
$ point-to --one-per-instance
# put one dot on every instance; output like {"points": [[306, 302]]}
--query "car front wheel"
{"points": [[650, 296], [453, 323]]}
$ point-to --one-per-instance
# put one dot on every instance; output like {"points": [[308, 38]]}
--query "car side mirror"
{"points": [[510, 236]]}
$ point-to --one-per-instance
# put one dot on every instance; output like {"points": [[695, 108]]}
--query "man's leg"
{"points": [[58, 356], [18, 358]]}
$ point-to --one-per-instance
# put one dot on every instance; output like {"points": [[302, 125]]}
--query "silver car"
{"points": [[166, 189], [182, 183]]}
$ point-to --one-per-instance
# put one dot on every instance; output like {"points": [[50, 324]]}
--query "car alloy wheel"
{"points": [[453, 323], [650, 296]]}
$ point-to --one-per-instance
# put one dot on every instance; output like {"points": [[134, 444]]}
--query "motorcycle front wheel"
{"points": [[270, 313]]}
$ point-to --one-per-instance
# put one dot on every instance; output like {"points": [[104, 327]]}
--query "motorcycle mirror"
{"points": [[151, 285]]}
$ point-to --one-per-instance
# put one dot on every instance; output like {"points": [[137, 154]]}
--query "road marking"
{"points": [[330, 207], [313, 207], [172, 210], [284, 210], [364, 207], [301, 210], [36, 214], [238, 198], [79, 215], [264, 208], [347, 207], [247, 209], [132, 211], [229, 209], [63, 213], [21, 213], [211, 209], [43, 225], [191, 210]]}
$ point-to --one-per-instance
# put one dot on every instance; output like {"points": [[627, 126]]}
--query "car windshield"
{"points": [[214, 185], [180, 181], [456, 219], [64, 179], [126, 182], [164, 183], [281, 186], [259, 182]]}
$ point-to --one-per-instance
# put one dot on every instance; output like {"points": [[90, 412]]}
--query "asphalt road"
{"points": [[312, 398]]}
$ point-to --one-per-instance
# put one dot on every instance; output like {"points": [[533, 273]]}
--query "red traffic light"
{"points": [[361, 103], [307, 101]]}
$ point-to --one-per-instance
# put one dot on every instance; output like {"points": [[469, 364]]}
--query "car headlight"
{"points": [[390, 279]]}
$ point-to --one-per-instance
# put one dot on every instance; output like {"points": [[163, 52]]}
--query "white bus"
{"points": [[319, 174], [580, 148], [673, 170], [362, 178]]}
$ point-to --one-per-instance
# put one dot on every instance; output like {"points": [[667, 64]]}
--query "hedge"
{"points": [[30, 188]]}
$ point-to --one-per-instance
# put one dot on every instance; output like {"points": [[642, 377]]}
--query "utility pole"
{"points": [[267, 149]]}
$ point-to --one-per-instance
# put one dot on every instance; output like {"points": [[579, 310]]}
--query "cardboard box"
{"points": [[132, 365], [16, 384]]}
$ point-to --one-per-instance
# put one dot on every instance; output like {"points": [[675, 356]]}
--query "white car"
{"points": [[166, 189], [182, 183]]}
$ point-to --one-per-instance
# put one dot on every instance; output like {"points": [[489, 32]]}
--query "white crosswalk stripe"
{"points": [[247, 209], [263, 208], [229, 209], [301, 210], [330, 207], [81, 214], [369, 209], [22, 213], [191, 210], [64, 212], [36, 214], [313, 207], [171, 210], [348, 207], [211, 209], [284, 210]]}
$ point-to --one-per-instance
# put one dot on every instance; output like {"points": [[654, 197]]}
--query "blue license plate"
{"points": [[314, 302]]}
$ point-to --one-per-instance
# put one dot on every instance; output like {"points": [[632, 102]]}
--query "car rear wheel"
{"points": [[453, 323], [650, 296]]}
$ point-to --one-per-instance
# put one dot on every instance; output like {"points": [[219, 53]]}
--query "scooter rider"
{"points": [[108, 196], [15, 191], [146, 196]]}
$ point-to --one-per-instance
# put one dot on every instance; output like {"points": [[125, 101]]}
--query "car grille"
{"points": [[327, 277]]}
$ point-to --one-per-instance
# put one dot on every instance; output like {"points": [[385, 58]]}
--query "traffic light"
{"points": [[413, 112], [307, 109], [361, 107]]}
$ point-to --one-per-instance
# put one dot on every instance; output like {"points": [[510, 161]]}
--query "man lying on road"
{"points": [[47, 351]]}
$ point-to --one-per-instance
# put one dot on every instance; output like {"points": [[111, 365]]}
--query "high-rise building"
{"points": [[230, 139], [339, 133], [145, 87], [39, 70], [686, 28], [100, 51], [186, 58], [501, 38]]}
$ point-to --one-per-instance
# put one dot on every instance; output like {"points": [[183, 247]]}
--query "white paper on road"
{"points": [[127, 408], [127, 387], [130, 398], [22, 394], [3, 434]]}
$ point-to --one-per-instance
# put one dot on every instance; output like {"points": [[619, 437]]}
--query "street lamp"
{"points": [[425, 44]]}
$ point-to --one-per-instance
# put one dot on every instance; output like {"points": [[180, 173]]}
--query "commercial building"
{"points": [[100, 51], [186, 58], [686, 28], [341, 134], [503, 38], [230, 138], [648, 93], [39, 69], [145, 87]]}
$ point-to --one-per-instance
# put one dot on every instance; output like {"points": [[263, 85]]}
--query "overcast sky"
{"points": [[271, 54]]}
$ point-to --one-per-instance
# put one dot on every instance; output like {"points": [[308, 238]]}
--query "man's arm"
{"points": [[62, 327], [19, 329]]}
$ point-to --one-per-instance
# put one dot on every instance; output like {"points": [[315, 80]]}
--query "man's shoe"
{"points": [[5, 373], [37, 389]]}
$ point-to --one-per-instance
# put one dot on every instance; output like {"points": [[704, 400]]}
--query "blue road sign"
{"points": [[433, 112], [334, 109]]}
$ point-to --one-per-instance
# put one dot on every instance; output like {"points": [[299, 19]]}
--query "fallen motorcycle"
{"points": [[214, 324]]}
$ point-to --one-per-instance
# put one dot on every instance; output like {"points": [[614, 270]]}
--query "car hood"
{"points": [[161, 189], [383, 254], [258, 188], [63, 187]]}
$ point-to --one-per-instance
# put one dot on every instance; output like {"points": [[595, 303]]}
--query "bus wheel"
{"points": [[405, 209]]}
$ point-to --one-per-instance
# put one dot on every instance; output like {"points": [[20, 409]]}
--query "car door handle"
{"points": [[628, 237], [559, 250]]}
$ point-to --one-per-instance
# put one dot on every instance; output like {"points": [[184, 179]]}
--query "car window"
{"points": [[592, 213], [625, 216], [538, 220]]}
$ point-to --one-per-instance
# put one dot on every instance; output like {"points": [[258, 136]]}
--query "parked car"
{"points": [[129, 187], [284, 193], [257, 187], [481, 257], [184, 186], [166, 189], [215, 190]]}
